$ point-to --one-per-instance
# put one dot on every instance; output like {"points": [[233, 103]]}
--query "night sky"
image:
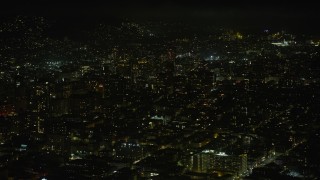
{"points": [[298, 16]]}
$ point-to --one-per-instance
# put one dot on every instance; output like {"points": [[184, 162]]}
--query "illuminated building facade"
{"points": [[209, 161]]}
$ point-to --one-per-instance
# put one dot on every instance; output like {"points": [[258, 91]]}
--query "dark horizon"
{"points": [[233, 14], [143, 10]]}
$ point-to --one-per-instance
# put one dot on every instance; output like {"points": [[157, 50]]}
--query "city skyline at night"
{"points": [[159, 90]]}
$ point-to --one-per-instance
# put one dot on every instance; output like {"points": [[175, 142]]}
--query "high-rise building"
{"points": [[210, 161]]}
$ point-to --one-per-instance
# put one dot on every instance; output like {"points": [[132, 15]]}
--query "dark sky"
{"points": [[161, 8], [301, 15]]}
